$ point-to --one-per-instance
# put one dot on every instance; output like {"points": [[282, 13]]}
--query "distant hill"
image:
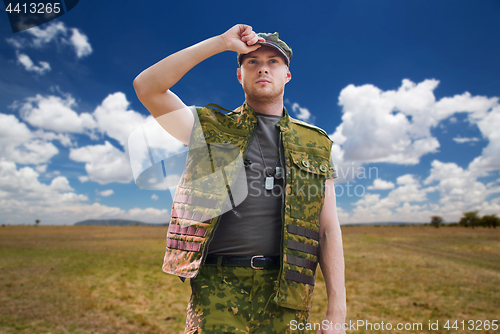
{"points": [[116, 222]]}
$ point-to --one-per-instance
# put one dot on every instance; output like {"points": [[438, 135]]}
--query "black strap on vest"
{"points": [[184, 245], [187, 230], [191, 215], [298, 261], [305, 232], [298, 277], [300, 246]]}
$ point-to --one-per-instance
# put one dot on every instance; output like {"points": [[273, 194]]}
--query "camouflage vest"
{"points": [[196, 206]]}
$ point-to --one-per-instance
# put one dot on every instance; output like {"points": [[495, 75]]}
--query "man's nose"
{"points": [[263, 69]]}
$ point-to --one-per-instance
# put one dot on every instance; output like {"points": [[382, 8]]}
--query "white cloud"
{"points": [[63, 138], [18, 144], [375, 131], [29, 66], [54, 32], [409, 190], [301, 113], [106, 193], [80, 42], [114, 119], [16, 43], [462, 140], [103, 163], [475, 105], [394, 126], [41, 168], [60, 183], [55, 113], [459, 189], [154, 197], [52, 174], [398, 206], [15, 213], [379, 184], [370, 209], [23, 198], [83, 179], [489, 124], [22, 186]]}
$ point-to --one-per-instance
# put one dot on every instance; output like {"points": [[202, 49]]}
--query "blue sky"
{"points": [[407, 90]]}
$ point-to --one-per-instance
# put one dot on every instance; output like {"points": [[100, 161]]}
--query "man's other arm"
{"points": [[152, 86], [331, 260]]}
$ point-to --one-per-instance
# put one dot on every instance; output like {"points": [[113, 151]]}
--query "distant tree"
{"points": [[470, 218], [37, 222], [436, 221], [490, 221]]}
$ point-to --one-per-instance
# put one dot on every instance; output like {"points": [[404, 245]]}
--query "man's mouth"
{"points": [[263, 81]]}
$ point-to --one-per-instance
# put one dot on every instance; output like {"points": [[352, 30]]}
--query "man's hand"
{"points": [[242, 39]]}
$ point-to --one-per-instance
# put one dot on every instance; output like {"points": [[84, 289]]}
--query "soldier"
{"points": [[252, 268]]}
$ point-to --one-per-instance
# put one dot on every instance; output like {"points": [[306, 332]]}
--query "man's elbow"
{"points": [[138, 84], [325, 234], [329, 232]]}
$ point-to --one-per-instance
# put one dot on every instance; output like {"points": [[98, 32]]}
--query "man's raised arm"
{"points": [[153, 84]]}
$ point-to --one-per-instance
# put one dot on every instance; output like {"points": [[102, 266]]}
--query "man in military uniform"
{"points": [[252, 268]]}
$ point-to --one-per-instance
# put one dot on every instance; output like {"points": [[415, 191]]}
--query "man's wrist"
{"points": [[337, 315], [224, 42]]}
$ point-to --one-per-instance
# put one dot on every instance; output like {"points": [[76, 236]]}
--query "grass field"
{"points": [[88, 279]]}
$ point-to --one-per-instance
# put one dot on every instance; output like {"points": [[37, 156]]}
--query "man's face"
{"points": [[263, 74]]}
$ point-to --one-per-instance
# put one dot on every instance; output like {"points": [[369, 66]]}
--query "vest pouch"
{"points": [[307, 177]]}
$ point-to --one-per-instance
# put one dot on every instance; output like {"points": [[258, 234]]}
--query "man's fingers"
{"points": [[247, 31], [251, 48], [248, 36], [253, 40]]}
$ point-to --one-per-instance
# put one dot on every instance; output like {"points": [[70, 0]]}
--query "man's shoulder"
{"points": [[309, 126]]}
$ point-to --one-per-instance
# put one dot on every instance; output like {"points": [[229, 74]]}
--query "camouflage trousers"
{"points": [[238, 300]]}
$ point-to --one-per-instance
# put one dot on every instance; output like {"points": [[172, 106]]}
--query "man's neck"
{"points": [[269, 108]]}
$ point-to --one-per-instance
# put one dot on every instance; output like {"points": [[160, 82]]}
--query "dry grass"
{"points": [[85, 279], [414, 274]]}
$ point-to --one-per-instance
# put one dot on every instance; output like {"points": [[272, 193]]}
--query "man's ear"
{"points": [[238, 74], [288, 75]]}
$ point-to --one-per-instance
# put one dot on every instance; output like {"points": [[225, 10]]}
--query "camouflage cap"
{"points": [[274, 41]]}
